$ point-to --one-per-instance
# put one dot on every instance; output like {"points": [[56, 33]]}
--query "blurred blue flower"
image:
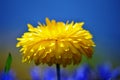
{"points": [[115, 74], [49, 74], [84, 72], [8, 75], [35, 73], [65, 74], [104, 72]]}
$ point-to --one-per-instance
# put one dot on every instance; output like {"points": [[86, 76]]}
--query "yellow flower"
{"points": [[56, 43]]}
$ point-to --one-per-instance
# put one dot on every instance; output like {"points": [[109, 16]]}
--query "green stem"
{"points": [[58, 71]]}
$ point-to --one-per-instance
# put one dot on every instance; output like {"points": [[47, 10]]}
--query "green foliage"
{"points": [[8, 63]]}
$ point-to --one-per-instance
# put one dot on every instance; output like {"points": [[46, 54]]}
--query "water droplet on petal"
{"points": [[59, 56], [61, 45], [52, 44], [35, 54], [79, 39], [67, 49], [75, 41], [31, 50]]}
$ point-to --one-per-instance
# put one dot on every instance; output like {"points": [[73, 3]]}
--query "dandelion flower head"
{"points": [[56, 43]]}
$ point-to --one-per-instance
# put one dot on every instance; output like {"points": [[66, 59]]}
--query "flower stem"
{"points": [[58, 71]]}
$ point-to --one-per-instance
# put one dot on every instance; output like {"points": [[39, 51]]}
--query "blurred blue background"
{"points": [[101, 17]]}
